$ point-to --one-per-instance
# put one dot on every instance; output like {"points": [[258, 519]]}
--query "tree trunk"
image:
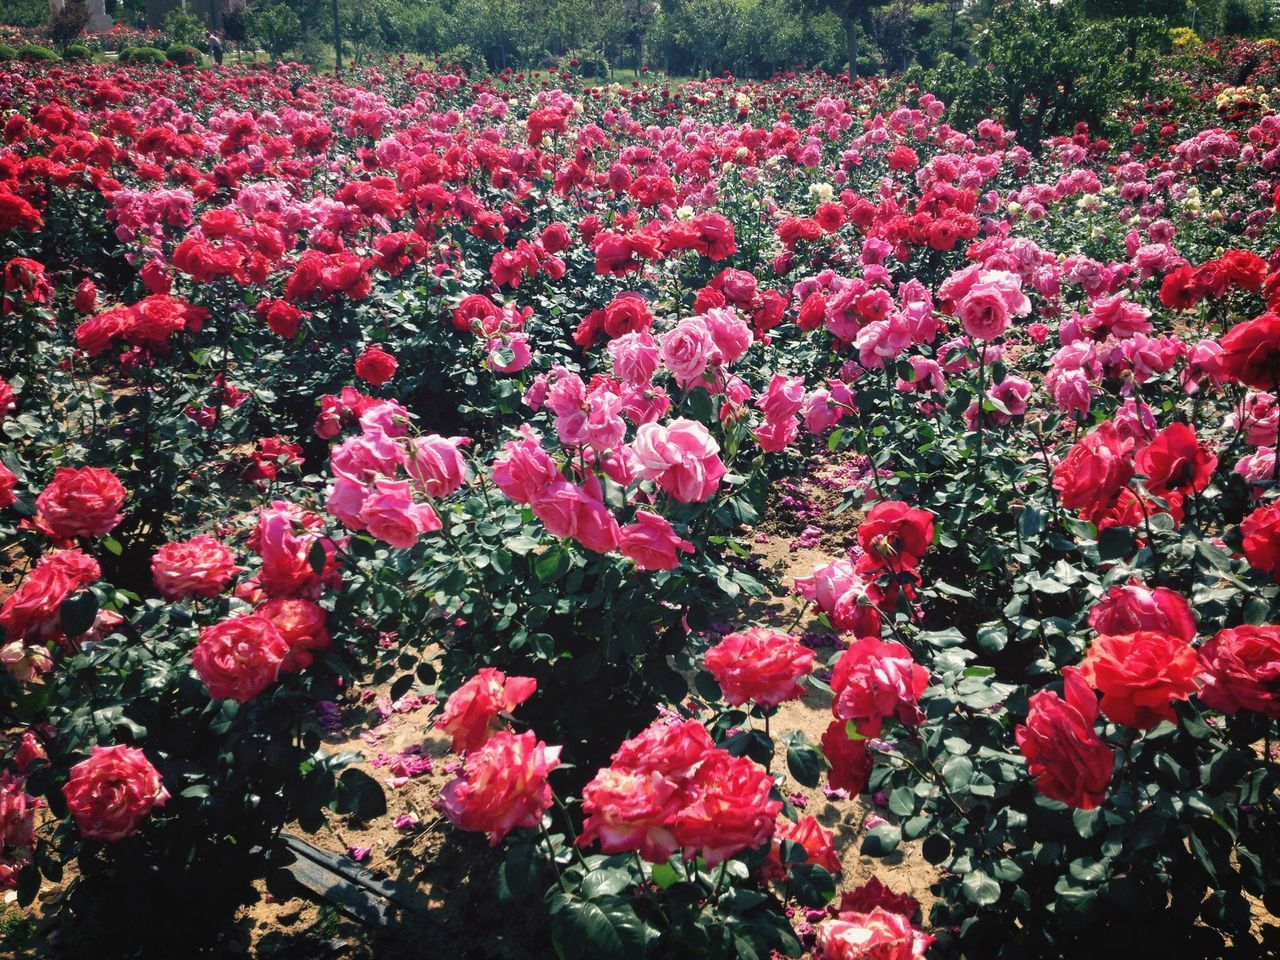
{"points": [[850, 39]]}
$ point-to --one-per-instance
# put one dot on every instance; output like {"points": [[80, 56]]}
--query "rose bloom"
{"points": [[17, 815], [671, 749], [841, 593], [1130, 607], [1175, 461], [525, 470], [1095, 470], [375, 366], [304, 626], [503, 786], [1065, 756], [283, 538], [631, 811], [199, 567], [471, 713], [569, 511], [1261, 533], [760, 665], [817, 840], [34, 608], [896, 535], [1241, 670], [390, 514], [729, 811], [84, 502], [437, 464], [8, 481], [878, 935], [988, 305], [686, 350], [682, 457], [1140, 675], [651, 543], [239, 658], [873, 680], [1251, 352], [112, 792]]}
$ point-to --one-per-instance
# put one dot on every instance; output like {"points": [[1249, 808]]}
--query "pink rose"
{"points": [[729, 332], [436, 463], [635, 357], [569, 511], [525, 470], [390, 514], [112, 792], [651, 542], [471, 712], [503, 786], [682, 457], [199, 567], [989, 304], [686, 350], [239, 658]]}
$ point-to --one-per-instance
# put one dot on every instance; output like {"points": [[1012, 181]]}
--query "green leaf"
{"points": [[811, 884], [882, 840], [1115, 542], [360, 795], [77, 613], [664, 875], [980, 889], [804, 762], [317, 557], [551, 564]]}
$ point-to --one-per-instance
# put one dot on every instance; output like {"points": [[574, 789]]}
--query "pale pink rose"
{"points": [[682, 457], [635, 357], [686, 350], [774, 435]]}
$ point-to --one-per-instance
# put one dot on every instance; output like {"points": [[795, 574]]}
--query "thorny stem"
{"points": [[551, 855], [1151, 538]]}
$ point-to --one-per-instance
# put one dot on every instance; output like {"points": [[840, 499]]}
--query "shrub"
{"points": [[465, 56], [77, 51], [589, 63], [7, 52], [143, 55], [184, 56], [185, 29], [30, 51]]}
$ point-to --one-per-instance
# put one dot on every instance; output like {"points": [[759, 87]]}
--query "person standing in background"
{"points": [[215, 47]]}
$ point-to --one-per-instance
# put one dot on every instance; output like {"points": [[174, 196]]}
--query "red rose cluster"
{"points": [[671, 788]]}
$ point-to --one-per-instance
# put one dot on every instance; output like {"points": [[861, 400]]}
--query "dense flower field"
{"points": [[478, 390]]}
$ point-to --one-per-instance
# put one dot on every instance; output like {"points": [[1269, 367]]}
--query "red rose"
{"points": [[627, 313], [1251, 352], [112, 792], [874, 894], [8, 481], [1261, 532], [1095, 470], [503, 786], [849, 760], [375, 366], [818, 843], [729, 809], [1130, 607], [631, 810], [471, 713], [475, 312], [239, 658], [86, 300], [304, 626], [1065, 756], [873, 680], [199, 567], [1241, 670], [1175, 461], [555, 237], [760, 665], [33, 609], [281, 317], [670, 749], [896, 535], [1140, 675], [1182, 288], [84, 502]]}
